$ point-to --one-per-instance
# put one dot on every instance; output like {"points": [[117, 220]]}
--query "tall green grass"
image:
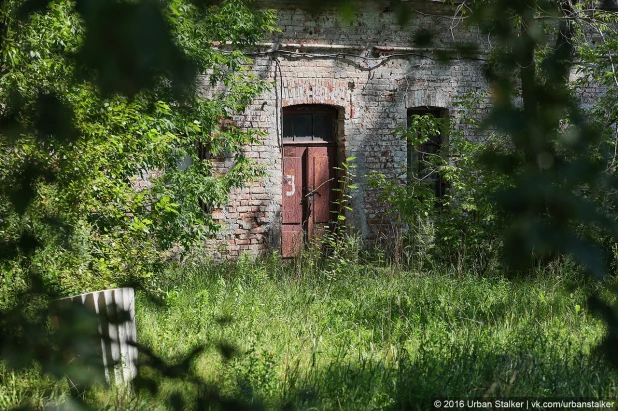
{"points": [[376, 338], [320, 335]]}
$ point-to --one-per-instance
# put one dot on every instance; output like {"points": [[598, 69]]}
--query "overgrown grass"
{"points": [[372, 337]]}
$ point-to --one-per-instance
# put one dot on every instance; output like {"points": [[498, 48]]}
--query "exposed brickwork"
{"points": [[370, 72]]}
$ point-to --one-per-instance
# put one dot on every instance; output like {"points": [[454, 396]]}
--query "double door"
{"points": [[309, 177]]}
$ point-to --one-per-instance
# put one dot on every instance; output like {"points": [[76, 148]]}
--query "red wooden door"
{"points": [[308, 182]]}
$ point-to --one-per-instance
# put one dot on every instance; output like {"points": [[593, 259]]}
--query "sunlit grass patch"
{"points": [[376, 340]]}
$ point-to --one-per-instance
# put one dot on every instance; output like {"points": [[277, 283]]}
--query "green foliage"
{"points": [[557, 202], [470, 222], [344, 187], [362, 341], [463, 227], [337, 250], [73, 151], [82, 117], [550, 176], [537, 179], [101, 103]]}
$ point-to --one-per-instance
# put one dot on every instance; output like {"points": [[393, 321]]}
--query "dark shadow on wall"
{"points": [[416, 83]]}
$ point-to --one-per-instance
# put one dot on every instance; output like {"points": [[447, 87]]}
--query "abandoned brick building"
{"points": [[340, 89]]}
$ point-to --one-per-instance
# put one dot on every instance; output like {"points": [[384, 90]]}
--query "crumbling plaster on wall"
{"points": [[369, 70]]}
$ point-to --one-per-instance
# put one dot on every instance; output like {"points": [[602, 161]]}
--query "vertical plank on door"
{"points": [[291, 240], [292, 207], [320, 170]]}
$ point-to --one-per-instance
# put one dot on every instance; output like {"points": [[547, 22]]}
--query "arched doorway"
{"points": [[309, 174]]}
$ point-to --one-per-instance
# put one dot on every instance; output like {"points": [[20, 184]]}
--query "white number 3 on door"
{"points": [[289, 179]]}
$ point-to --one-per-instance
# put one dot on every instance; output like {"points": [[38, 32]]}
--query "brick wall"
{"points": [[370, 71]]}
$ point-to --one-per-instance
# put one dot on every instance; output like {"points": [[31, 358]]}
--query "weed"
{"points": [[368, 338]]}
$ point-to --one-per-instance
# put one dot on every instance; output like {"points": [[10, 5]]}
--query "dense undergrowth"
{"points": [[370, 337]]}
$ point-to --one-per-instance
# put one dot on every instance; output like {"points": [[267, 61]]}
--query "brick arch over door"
{"points": [[331, 92]]}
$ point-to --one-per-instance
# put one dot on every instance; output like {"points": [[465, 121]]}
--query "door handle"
{"points": [[312, 192]]}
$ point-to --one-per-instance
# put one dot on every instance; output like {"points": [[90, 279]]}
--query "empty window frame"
{"points": [[309, 122], [419, 162]]}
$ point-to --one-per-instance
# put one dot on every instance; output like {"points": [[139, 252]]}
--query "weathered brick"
{"points": [[372, 99]]}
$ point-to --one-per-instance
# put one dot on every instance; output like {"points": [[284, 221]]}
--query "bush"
{"points": [[73, 152], [462, 228]]}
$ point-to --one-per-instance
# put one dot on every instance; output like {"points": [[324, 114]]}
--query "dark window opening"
{"points": [[422, 157], [309, 122]]}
